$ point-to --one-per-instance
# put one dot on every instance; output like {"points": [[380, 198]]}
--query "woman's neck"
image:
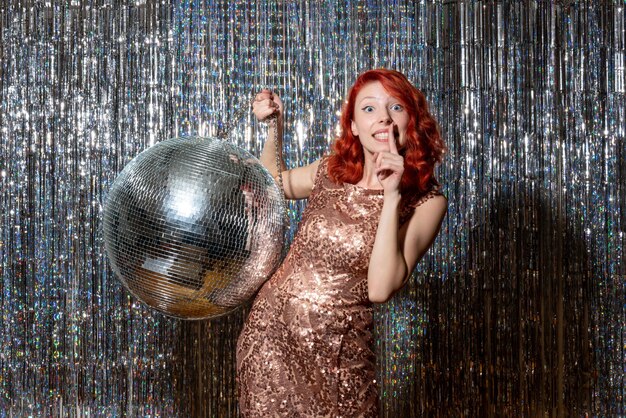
{"points": [[369, 180]]}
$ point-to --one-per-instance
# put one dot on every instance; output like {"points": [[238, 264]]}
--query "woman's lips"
{"points": [[381, 136]]}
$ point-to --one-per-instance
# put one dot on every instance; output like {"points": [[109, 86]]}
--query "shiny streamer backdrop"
{"points": [[517, 310]]}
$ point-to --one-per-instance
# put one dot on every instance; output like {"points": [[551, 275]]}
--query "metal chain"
{"points": [[273, 124], [225, 131]]}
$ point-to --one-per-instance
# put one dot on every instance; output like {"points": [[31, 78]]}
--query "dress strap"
{"points": [[424, 197]]}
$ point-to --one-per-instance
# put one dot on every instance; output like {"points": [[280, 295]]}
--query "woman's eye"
{"points": [[397, 108], [368, 109]]}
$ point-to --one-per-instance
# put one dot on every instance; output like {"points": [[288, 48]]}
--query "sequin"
{"points": [[306, 347]]}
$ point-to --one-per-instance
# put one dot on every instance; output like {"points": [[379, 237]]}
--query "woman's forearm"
{"points": [[387, 268], [274, 141]]}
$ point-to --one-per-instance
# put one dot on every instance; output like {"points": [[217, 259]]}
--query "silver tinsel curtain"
{"points": [[517, 310]]}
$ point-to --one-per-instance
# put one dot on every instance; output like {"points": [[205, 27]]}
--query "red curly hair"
{"points": [[423, 149]]}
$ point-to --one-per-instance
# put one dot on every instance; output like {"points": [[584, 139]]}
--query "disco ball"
{"points": [[194, 226]]}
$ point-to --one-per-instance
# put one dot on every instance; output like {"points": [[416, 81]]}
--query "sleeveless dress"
{"points": [[306, 347]]}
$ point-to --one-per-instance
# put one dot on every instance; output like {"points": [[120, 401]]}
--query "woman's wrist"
{"points": [[276, 129], [276, 120], [392, 197]]}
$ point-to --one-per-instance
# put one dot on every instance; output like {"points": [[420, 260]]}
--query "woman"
{"points": [[373, 211]]}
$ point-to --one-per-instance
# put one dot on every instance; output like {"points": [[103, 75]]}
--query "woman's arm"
{"points": [[397, 249], [297, 182]]}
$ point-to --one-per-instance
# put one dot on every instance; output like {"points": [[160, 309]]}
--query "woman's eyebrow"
{"points": [[370, 97]]}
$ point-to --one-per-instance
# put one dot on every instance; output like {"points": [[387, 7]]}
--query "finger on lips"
{"points": [[393, 147]]}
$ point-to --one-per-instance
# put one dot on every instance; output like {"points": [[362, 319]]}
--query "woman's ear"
{"points": [[355, 131]]}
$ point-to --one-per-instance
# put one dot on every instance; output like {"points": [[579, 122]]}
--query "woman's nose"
{"points": [[385, 118]]}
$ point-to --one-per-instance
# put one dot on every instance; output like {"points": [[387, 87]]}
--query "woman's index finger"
{"points": [[393, 146]]}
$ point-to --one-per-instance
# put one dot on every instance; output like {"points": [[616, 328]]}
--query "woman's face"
{"points": [[374, 111]]}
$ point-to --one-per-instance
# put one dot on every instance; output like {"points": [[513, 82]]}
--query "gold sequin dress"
{"points": [[306, 346]]}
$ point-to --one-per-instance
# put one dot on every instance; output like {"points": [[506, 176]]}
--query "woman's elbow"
{"points": [[380, 295], [380, 290]]}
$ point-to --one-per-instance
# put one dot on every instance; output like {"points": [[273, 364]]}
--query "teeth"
{"points": [[383, 135]]}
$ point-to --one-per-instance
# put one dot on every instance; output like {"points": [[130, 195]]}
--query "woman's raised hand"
{"points": [[267, 105]]}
